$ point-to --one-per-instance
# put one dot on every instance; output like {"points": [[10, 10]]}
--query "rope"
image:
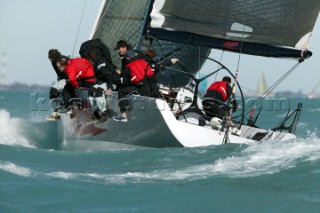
{"points": [[77, 35], [159, 45], [172, 77]]}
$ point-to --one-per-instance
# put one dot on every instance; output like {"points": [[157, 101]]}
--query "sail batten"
{"points": [[269, 22]]}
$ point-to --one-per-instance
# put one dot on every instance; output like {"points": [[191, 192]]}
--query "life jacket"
{"points": [[79, 69], [139, 69], [221, 87]]}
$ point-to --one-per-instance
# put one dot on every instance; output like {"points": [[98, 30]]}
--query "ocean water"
{"points": [[37, 176]]}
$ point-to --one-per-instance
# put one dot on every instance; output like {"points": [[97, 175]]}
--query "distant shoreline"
{"points": [[24, 87], [38, 88]]}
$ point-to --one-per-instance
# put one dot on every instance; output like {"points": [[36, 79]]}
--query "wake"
{"points": [[15, 169], [252, 161], [12, 131], [255, 160]]}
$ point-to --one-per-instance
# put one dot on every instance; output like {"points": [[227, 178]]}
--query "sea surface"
{"points": [[36, 175]]}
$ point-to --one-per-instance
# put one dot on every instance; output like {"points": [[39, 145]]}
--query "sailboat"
{"points": [[262, 86], [189, 30], [313, 93]]}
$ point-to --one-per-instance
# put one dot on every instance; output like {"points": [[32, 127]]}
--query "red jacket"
{"points": [[79, 69], [222, 88], [139, 69]]}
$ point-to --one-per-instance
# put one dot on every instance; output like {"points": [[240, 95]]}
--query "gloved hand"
{"points": [[174, 60], [118, 72]]}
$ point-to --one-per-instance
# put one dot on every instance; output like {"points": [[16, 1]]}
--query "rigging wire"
{"points": [[216, 76], [159, 44], [162, 51], [77, 35], [279, 81], [228, 121]]}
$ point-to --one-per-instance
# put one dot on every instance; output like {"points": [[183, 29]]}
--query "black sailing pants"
{"points": [[148, 87], [69, 91]]}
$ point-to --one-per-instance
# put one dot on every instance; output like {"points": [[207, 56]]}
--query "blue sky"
{"points": [[28, 29]]}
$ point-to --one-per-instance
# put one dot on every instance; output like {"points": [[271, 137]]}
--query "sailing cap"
{"points": [[121, 43], [226, 79]]}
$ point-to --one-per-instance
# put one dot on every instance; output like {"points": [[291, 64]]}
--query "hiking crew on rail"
{"points": [[80, 73], [96, 71], [107, 80], [138, 78]]}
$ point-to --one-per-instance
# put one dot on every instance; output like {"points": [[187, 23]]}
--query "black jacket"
{"points": [[105, 72], [99, 46]]}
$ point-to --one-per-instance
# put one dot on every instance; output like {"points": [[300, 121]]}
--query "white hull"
{"points": [[152, 123]]}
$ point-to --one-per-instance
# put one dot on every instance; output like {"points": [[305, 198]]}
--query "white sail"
{"points": [[262, 86]]}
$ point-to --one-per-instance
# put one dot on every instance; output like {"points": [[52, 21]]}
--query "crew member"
{"points": [[57, 88], [80, 74], [107, 79], [122, 47], [137, 78], [158, 65], [217, 94]]}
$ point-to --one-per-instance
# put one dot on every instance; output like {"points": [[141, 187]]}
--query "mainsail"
{"points": [[258, 27], [271, 28]]}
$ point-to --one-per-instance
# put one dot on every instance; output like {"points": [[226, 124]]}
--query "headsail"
{"points": [[262, 86], [124, 19], [260, 27]]}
